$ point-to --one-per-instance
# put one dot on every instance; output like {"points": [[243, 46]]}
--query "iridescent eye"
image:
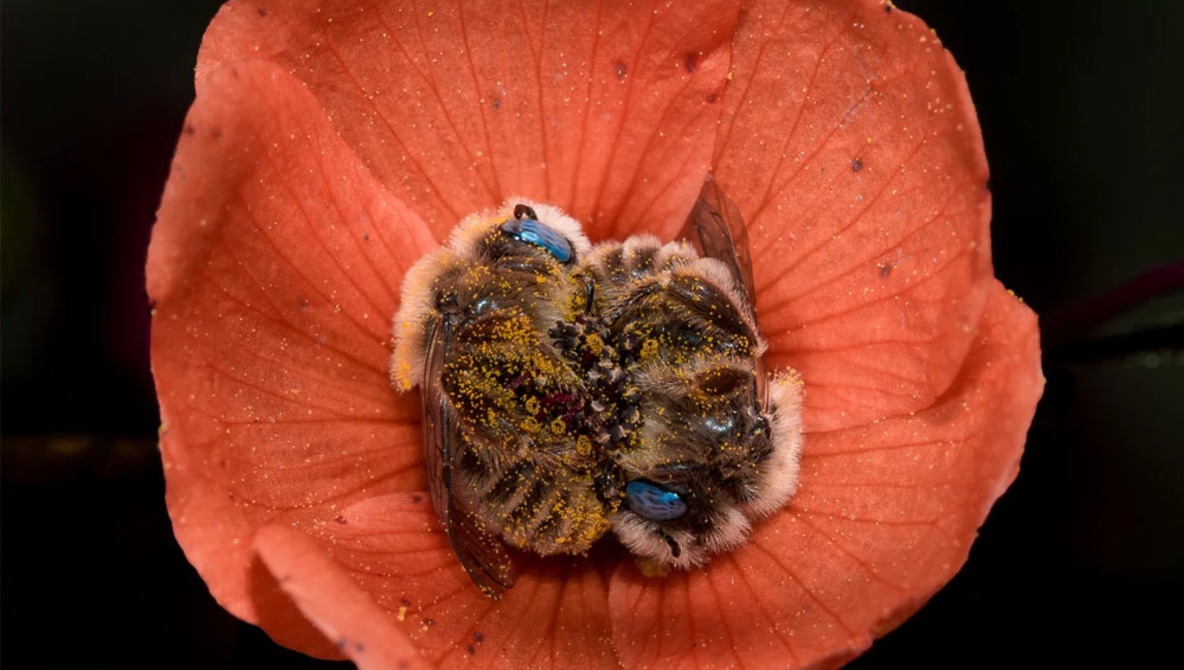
{"points": [[654, 502], [531, 231]]}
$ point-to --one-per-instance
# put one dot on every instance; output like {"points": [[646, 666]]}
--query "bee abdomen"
{"points": [[541, 511]]}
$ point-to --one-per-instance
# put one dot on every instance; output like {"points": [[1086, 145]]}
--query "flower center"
{"points": [[570, 388]]}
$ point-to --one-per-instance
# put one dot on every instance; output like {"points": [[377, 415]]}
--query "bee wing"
{"points": [[716, 228], [483, 555]]}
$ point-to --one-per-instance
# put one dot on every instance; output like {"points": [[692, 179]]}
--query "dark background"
{"points": [[1082, 560]]}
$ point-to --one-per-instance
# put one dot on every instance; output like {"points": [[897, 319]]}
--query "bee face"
{"points": [[569, 389], [716, 457]]}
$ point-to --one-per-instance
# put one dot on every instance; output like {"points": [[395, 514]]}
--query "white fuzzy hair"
{"points": [[417, 303]]}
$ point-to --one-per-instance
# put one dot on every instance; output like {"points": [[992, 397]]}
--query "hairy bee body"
{"points": [[690, 347], [570, 389], [519, 463]]}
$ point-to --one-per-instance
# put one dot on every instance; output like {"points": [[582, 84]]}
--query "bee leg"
{"points": [[675, 549], [685, 298], [589, 293]]}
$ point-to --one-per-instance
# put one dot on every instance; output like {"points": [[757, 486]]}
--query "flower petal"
{"points": [[555, 616], [884, 516], [606, 109], [341, 610], [274, 265], [850, 144]]}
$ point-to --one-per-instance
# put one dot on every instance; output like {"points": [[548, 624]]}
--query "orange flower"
{"points": [[333, 143]]}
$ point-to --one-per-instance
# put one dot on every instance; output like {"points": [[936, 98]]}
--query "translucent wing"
{"points": [[481, 553], [716, 228]]}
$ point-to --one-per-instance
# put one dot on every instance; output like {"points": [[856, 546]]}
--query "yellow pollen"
{"points": [[649, 349], [595, 344], [583, 445], [652, 569]]}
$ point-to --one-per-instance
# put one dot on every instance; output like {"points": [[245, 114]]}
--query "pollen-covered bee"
{"points": [[569, 389]]}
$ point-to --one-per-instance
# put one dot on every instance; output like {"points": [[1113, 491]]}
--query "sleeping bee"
{"points": [[569, 389]]}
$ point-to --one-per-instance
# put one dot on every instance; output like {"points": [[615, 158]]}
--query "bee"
{"points": [[569, 389]]}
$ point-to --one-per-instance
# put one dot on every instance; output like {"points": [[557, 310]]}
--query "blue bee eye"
{"points": [[654, 502], [533, 232]]}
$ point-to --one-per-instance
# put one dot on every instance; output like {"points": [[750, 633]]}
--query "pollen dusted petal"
{"points": [[554, 617], [275, 267], [884, 516], [850, 144], [339, 608], [607, 109]]}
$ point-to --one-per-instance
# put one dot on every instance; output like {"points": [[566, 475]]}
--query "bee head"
{"points": [[529, 230], [524, 224], [715, 472], [678, 523]]}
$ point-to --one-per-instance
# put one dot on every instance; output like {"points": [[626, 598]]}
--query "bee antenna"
{"points": [[521, 209], [675, 550]]}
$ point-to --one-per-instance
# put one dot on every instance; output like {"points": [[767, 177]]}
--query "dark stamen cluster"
{"points": [[613, 417]]}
